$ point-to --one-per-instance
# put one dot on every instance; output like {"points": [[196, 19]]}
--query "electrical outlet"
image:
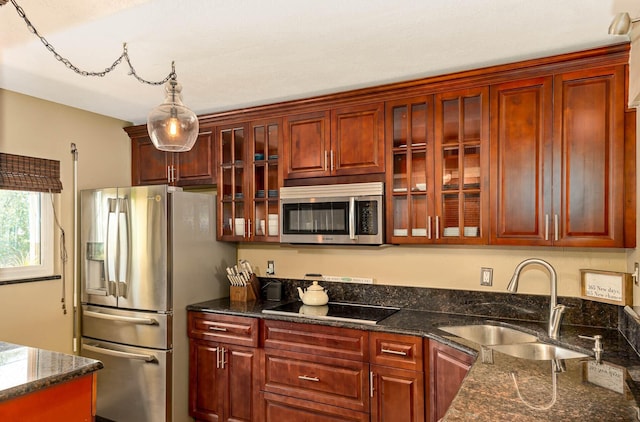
{"points": [[486, 276], [271, 268]]}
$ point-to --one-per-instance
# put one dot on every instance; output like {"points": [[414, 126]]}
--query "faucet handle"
{"points": [[598, 342]]}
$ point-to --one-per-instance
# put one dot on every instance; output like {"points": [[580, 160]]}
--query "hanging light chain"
{"points": [[69, 65]]}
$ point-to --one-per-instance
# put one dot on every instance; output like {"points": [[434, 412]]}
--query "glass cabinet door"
{"points": [[265, 140], [462, 145], [232, 182], [411, 187]]}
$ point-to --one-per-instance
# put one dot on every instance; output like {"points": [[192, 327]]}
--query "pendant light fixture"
{"points": [[171, 125]]}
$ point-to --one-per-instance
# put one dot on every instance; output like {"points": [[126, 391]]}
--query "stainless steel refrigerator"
{"points": [[146, 253]]}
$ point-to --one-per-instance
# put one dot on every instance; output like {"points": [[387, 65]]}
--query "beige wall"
{"points": [[31, 313], [435, 266]]}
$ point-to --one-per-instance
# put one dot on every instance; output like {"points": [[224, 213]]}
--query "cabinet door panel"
{"points": [[447, 369], [357, 140], [205, 397], [589, 144], [197, 166], [148, 164], [244, 369], [462, 166], [306, 145], [398, 395], [521, 161]]}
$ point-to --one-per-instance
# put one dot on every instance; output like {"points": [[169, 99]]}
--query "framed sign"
{"points": [[607, 286]]}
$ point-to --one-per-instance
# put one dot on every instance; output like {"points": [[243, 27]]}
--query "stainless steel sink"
{"points": [[489, 335], [537, 351]]}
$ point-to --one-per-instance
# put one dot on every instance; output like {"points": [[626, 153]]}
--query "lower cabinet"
{"points": [[396, 378], [316, 373], [447, 368], [224, 378]]}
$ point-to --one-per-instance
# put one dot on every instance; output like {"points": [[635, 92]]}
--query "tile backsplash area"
{"points": [[521, 307], [629, 325]]}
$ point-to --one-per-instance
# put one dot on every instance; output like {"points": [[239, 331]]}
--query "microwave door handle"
{"points": [[119, 354], [352, 218]]}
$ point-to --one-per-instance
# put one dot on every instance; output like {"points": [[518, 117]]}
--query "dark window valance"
{"points": [[18, 172]]}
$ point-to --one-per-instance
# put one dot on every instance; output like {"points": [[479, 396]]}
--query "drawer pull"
{"points": [[393, 352], [306, 378], [216, 328]]}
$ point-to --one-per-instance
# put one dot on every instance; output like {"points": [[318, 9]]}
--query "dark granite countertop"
{"points": [[583, 389], [25, 369]]}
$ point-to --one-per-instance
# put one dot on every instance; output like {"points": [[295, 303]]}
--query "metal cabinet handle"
{"points": [[248, 234], [371, 388], [393, 352], [223, 362], [555, 226], [437, 227], [306, 378], [216, 328], [331, 160], [429, 227], [325, 160], [546, 227]]}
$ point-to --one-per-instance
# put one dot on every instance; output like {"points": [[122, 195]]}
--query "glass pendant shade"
{"points": [[172, 126]]}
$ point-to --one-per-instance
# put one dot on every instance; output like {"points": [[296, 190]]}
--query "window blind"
{"points": [[18, 172]]}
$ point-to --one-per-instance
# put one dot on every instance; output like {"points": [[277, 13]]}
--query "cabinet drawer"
{"points": [[224, 328], [279, 408], [344, 343], [336, 382], [396, 350]]}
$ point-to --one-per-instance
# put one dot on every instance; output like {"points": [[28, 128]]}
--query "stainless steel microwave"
{"points": [[349, 214]]}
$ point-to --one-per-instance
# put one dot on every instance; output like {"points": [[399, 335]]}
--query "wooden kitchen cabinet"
{"points": [[249, 181], [150, 166], [438, 183], [396, 378], [557, 160], [447, 368], [314, 369], [224, 368], [344, 141]]}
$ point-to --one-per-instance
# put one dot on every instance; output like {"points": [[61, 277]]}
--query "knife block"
{"points": [[246, 293]]}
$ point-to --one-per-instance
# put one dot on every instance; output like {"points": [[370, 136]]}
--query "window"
{"points": [[26, 235], [26, 216]]}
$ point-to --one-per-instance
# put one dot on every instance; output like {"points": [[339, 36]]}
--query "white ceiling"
{"points": [[236, 53]]}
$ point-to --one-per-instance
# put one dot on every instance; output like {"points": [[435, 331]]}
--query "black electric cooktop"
{"points": [[334, 311]]}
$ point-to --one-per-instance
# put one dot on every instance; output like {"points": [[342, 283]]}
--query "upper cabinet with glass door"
{"points": [[249, 181], [410, 187], [264, 221], [462, 166], [232, 182]]}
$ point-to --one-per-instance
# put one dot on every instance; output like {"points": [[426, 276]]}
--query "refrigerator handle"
{"points": [[110, 264], [133, 320], [118, 354], [124, 246]]}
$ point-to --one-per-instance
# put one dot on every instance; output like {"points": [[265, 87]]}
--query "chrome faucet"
{"points": [[556, 311]]}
